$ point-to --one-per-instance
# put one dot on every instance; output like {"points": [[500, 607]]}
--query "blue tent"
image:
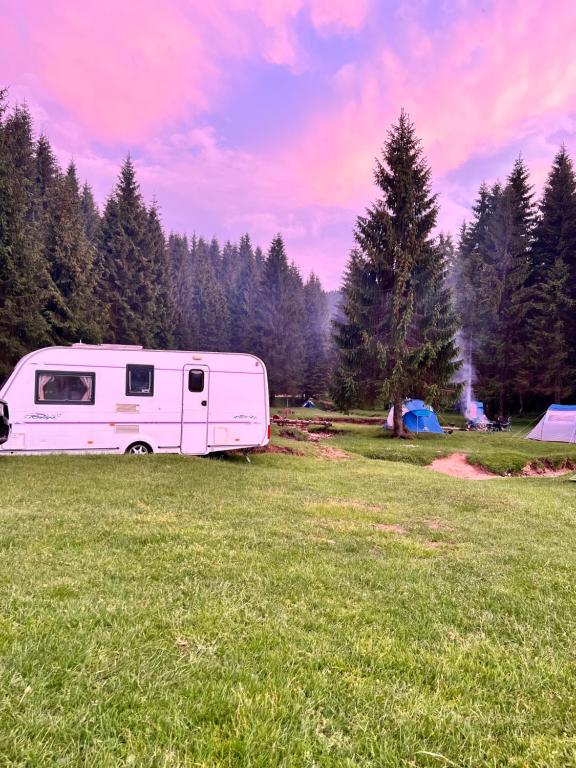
{"points": [[417, 417]]}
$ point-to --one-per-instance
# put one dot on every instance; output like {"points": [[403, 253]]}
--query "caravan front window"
{"points": [[63, 387], [140, 380]]}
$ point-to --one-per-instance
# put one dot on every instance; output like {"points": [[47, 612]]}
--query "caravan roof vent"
{"points": [[108, 346]]}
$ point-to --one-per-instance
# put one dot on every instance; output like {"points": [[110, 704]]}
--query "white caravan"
{"points": [[111, 398]]}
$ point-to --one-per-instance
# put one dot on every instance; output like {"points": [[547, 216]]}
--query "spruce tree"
{"points": [[180, 274], [278, 322], [316, 353], [551, 372], [125, 293], [476, 279], [502, 363], [161, 310], [397, 338], [25, 285], [71, 262], [554, 264], [243, 299], [90, 215], [356, 376], [208, 320]]}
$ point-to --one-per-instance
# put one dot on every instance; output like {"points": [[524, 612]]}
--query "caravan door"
{"points": [[195, 388]]}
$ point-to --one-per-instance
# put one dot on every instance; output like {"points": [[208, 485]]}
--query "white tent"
{"points": [[558, 425]]}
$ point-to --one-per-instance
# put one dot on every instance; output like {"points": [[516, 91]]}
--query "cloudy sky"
{"points": [[266, 115]]}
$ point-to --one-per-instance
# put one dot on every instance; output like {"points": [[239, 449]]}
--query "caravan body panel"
{"points": [[105, 398]]}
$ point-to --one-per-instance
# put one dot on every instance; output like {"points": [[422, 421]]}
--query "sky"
{"points": [[266, 116]]}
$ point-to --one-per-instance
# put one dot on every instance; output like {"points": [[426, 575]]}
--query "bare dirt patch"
{"points": [[456, 465], [271, 448], [390, 527], [315, 437], [436, 525], [333, 454], [546, 469]]}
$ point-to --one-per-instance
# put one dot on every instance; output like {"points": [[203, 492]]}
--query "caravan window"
{"points": [[196, 381], [140, 380], [64, 387]]}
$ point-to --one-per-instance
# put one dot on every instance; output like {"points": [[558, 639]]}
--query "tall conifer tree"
{"points": [[161, 312], [393, 290], [123, 262], [316, 352], [25, 286], [554, 273], [71, 261], [278, 321]]}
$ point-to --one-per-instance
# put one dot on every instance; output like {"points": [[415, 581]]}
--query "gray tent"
{"points": [[558, 425]]}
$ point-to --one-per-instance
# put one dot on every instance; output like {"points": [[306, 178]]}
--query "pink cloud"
{"points": [[118, 68], [126, 69], [486, 80]]}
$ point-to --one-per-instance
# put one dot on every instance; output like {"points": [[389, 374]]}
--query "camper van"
{"points": [[125, 399]]}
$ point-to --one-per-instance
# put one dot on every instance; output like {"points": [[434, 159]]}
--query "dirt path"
{"points": [[456, 465]]}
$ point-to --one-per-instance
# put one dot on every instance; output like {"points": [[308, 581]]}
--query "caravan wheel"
{"points": [[138, 449]]}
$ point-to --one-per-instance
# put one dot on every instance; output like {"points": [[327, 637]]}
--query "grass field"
{"points": [[295, 611]]}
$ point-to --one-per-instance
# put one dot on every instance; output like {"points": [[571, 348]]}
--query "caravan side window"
{"points": [[65, 387], [196, 381], [140, 380]]}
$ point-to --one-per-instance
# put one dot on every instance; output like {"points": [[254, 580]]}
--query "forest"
{"points": [[414, 305], [69, 273]]}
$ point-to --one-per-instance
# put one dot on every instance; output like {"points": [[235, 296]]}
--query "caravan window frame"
{"points": [[88, 374], [150, 369], [196, 371]]}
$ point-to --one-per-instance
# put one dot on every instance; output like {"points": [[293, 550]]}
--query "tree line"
{"points": [[411, 307], [69, 273], [415, 306], [515, 286]]}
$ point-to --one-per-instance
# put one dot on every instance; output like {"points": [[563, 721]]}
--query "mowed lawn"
{"points": [[295, 611]]}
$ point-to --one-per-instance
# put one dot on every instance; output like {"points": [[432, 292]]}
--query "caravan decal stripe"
{"points": [[122, 423], [176, 370]]}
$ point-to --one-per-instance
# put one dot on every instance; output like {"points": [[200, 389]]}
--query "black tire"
{"points": [[139, 449]]}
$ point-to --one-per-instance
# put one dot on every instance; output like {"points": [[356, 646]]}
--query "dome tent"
{"points": [[417, 417], [558, 425]]}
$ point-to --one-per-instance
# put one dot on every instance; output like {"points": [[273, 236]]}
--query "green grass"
{"points": [[503, 453], [168, 611]]}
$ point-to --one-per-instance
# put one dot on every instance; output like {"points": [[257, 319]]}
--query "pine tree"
{"points": [[356, 375], [25, 285], [229, 269], [125, 292], [554, 258], [161, 311], [208, 319], [278, 321], [215, 259], [180, 274], [476, 279], [46, 176], [551, 372], [399, 327], [71, 262], [502, 363], [243, 299], [90, 215], [316, 353]]}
